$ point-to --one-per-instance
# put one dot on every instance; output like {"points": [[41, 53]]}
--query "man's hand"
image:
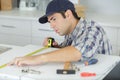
{"points": [[54, 44], [26, 61]]}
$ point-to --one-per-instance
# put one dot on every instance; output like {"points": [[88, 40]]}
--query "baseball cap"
{"points": [[56, 6]]}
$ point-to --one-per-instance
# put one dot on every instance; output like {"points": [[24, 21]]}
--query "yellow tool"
{"points": [[67, 65], [50, 41], [30, 54], [2, 66]]}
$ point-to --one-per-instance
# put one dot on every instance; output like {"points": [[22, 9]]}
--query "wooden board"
{"points": [[80, 10], [6, 4]]}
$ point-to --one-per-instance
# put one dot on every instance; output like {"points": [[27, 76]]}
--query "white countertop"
{"points": [[48, 71]]}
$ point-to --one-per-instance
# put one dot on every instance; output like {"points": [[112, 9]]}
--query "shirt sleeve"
{"points": [[88, 42]]}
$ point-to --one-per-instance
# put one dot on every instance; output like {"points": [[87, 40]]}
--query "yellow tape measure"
{"points": [[39, 50], [34, 52], [2, 66], [30, 54]]}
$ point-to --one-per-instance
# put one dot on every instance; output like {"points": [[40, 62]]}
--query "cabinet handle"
{"points": [[45, 30], [6, 26]]}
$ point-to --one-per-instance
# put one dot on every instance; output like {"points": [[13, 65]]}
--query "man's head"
{"points": [[56, 6]]}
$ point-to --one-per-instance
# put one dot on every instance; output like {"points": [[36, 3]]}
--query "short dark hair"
{"points": [[75, 15]]}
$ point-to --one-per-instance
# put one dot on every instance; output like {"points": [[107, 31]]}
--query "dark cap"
{"points": [[56, 6]]}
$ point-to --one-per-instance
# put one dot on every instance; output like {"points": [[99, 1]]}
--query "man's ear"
{"points": [[68, 13]]}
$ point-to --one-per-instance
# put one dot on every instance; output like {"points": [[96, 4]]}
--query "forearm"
{"points": [[62, 55]]}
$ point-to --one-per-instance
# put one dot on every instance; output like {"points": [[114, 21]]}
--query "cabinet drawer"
{"points": [[15, 40], [36, 24], [119, 37], [115, 50], [119, 50], [15, 26], [111, 34], [42, 30]]}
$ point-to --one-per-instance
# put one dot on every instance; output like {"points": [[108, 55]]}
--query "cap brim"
{"points": [[43, 19]]}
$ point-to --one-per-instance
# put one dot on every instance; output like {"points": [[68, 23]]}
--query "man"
{"points": [[83, 38]]}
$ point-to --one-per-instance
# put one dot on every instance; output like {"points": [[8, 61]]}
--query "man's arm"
{"points": [[62, 55]]}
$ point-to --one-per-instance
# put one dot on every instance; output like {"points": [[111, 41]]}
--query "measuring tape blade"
{"points": [[2, 66], [50, 41], [39, 50], [29, 54]]}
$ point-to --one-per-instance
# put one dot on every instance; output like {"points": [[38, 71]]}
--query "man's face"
{"points": [[60, 24]]}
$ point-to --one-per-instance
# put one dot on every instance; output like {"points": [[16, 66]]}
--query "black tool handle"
{"points": [[60, 71]]}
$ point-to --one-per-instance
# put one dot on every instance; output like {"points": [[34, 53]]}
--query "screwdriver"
{"points": [[91, 61], [87, 74]]}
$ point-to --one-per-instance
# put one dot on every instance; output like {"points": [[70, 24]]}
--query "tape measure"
{"points": [[50, 42]]}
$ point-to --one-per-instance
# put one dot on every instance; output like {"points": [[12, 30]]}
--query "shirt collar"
{"points": [[76, 30]]}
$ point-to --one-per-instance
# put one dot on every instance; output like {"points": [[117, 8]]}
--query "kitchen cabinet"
{"points": [[119, 37], [41, 31], [14, 39], [119, 41], [112, 33], [15, 31], [23, 31]]}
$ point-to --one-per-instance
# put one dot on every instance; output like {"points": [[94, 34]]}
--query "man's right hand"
{"points": [[54, 44]]}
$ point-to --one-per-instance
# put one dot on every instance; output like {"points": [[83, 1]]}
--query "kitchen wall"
{"points": [[110, 7], [16, 3], [93, 6], [96, 6], [40, 4]]}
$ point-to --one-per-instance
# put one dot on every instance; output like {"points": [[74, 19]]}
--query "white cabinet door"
{"points": [[115, 50], [14, 40], [15, 26], [41, 31], [119, 41], [15, 31], [119, 37], [112, 33], [38, 40]]}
